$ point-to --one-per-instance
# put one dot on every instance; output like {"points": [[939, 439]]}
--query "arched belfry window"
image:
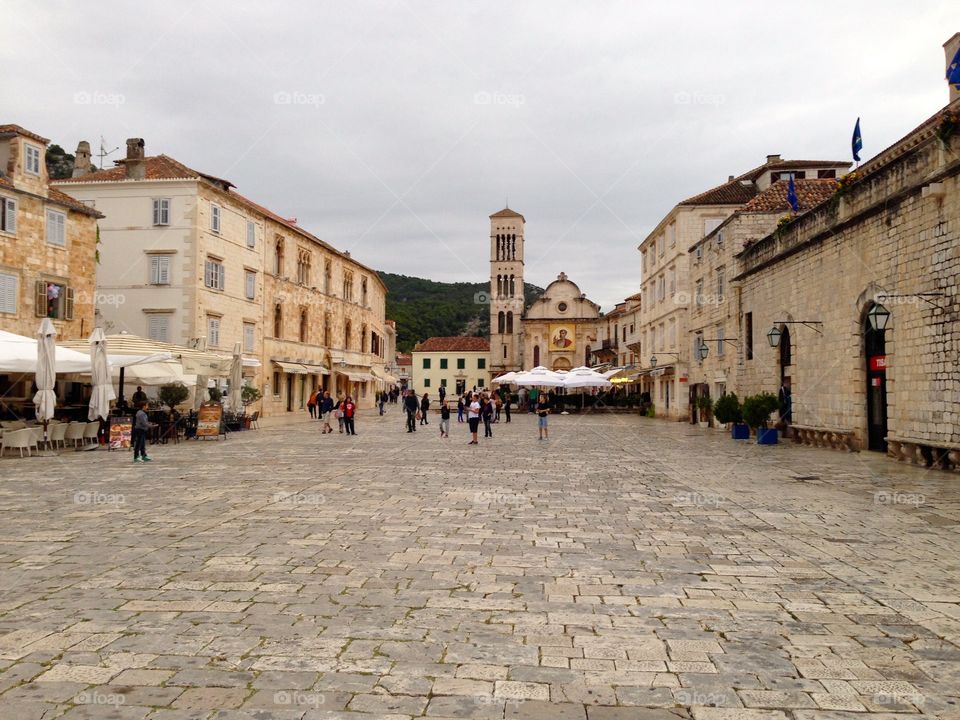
{"points": [[513, 247], [513, 286], [501, 325], [510, 322]]}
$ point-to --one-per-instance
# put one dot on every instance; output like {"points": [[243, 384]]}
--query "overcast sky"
{"points": [[394, 129]]}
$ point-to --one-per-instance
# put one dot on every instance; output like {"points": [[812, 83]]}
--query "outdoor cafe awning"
{"points": [[356, 374], [193, 362], [316, 369], [291, 368]]}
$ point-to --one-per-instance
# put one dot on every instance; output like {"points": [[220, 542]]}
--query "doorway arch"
{"points": [[784, 395], [561, 363]]}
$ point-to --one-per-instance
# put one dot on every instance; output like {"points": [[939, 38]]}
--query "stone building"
{"points": [[196, 263], [886, 242], [561, 328], [48, 244], [506, 291], [455, 363], [714, 309], [665, 274]]}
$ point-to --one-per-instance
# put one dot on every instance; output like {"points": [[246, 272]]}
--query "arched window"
{"points": [[510, 322], [326, 329], [499, 247], [536, 355], [278, 321], [327, 274], [303, 325], [363, 338], [513, 247], [513, 287], [278, 263], [501, 322], [346, 335], [499, 285]]}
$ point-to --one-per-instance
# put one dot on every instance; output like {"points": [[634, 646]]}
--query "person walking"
{"points": [[424, 409], [498, 403], [486, 414], [460, 409], [139, 397], [141, 424], [326, 409], [338, 411], [543, 409], [443, 393], [533, 394], [410, 405], [444, 419], [507, 397], [349, 412], [382, 401], [473, 418], [312, 404], [522, 399]]}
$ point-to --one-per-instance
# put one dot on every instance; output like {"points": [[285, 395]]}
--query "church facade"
{"points": [[559, 330]]}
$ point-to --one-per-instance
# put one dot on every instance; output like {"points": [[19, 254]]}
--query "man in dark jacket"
{"points": [[410, 405]]}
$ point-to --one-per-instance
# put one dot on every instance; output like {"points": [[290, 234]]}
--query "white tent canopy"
{"points": [[18, 355]]}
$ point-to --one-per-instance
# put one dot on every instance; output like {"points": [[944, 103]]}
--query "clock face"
{"points": [[562, 307]]}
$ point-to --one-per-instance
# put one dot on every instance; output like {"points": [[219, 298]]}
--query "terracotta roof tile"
{"points": [[10, 128], [774, 199], [741, 189], [61, 198], [453, 344], [158, 167]]}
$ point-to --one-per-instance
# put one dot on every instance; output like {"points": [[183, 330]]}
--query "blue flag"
{"points": [[857, 142], [792, 194], [953, 72]]}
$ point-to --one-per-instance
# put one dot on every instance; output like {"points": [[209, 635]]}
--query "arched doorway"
{"points": [[536, 356], [784, 395], [561, 364], [875, 353]]}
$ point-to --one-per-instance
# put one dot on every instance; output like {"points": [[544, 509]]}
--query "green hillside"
{"points": [[426, 308]]}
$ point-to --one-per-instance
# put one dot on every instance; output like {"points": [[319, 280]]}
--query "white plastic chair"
{"points": [[74, 433], [56, 434], [90, 432], [21, 439], [37, 432], [12, 424]]}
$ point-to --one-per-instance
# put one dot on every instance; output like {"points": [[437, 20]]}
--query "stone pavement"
{"points": [[627, 569]]}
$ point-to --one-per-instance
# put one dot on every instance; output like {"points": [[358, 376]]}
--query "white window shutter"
{"points": [[8, 293], [11, 219], [164, 275], [156, 214]]}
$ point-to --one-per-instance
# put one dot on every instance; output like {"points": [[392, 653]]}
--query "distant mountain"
{"points": [[426, 308]]}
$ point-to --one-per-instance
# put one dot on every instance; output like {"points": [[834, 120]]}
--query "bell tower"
{"points": [[506, 291]]}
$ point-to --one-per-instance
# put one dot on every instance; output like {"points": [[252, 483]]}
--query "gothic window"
{"points": [[278, 266], [363, 339], [327, 273], [363, 292], [346, 335], [499, 285], [513, 247], [499, 247], [536, 356], [326, 329], [303, 266], [278, 320], [501, 322], [513, 287], [510, 322], [303, 325]]}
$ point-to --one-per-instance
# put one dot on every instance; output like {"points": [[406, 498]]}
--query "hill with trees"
{"points": [[426, 308]]}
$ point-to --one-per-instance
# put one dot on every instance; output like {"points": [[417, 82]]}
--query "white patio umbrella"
{"points": [[539, 377], [505, 379], [18, 356], [45, 400], [236, 380], [100, 376], [584, 377]]}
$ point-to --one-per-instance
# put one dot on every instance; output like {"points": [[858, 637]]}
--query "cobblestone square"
{"points": [[624, 569]]}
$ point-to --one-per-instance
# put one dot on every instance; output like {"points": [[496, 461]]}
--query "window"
{"points": [[673, 281], [347, 332], [748, 335], [461, 363], [509, 322], [278, 320], [53, 300], [711, 224], [443, 382], [721, 283], [8, 293], [250, 284], [303, 325], [8, 215], [158, 327], [443, 363], [161, 211], [214, 274], [276, 383], [327, 274], [251, 234], [697, 342], [56, 228], [721, 334], [31, 159], [672, 234], [215, 218], [698, 297], [661, 288], [326, 329], [213, 331], [303, 267], [673, 333], [426, 382], [699, 253], [663, 337], [481, 363], [278, 257], [363, 292], [348, 286], [501, 322], [159, 269], [831, 173], [662, 245], [426, 363], [479, 382], [249, 336]]}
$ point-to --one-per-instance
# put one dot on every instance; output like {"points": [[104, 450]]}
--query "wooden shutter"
{"points": [[10, 224], [156, 211], [40, 299], [68, 304], [8, 293]]}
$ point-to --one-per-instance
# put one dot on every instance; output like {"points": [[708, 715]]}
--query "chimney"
{"points": [[81, 163], [729, 178], [950, 48], [773, 159], [135, 164]]}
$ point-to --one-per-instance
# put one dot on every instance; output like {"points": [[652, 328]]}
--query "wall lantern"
{"points": [[879, 316], [773, 337]]}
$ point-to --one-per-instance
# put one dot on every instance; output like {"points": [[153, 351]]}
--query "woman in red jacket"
{"points": [[349, 410]]}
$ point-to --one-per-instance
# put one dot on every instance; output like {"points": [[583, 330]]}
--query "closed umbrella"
{"points": [[236, 379], [45, 400], [100, 376]]}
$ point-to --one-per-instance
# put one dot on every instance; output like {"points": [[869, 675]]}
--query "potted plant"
{"points": [[728, 411], [215, 394], [756, 413], [704, 405], [173, 394]]}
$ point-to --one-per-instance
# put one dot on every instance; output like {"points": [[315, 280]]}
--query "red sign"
{"points": [[683, 378], [875, 382], [878, 363]]}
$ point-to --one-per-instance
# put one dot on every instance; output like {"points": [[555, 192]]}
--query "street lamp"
{"points": [[773, 337], [703, 351], [878, 316], [653, 361]]}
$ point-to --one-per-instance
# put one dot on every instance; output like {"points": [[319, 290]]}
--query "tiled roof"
{"points": [[774, 198], [62, 198], [507, 212], [741, 189], [404, 359], [158, 167], [453, 344], [10, 128]]}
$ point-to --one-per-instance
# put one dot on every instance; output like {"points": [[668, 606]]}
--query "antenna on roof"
{"points": [[104, 152]]}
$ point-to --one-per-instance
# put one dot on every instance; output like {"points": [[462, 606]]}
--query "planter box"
{"points": [[740, 431], [767, 436]]}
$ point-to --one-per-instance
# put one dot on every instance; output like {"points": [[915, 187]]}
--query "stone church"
{"points": [[560, 328]]}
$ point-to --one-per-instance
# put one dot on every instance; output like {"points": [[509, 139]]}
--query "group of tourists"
{"points": [[324, 407]]}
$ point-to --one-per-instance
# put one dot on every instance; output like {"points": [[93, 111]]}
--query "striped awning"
{"points": [[291, 368]]}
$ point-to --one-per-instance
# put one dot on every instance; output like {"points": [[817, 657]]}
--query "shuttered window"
{"points": [[214, 274], [250, 284], [8, 293], [158, 327], [161, 211], [213, 331], [215, 218], [56, 228], [53, 300], [8, 215], [251, 234], [249, 335], [32, 159], [159, 269]]}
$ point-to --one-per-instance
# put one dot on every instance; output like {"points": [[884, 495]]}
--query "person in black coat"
{"points": [[424, 408], [410, 405]]}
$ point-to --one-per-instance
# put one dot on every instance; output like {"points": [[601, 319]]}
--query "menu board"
{"points": [[121, 430], [208, 420]]}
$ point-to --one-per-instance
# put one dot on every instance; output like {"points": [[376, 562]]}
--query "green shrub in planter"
{"points": [[652, 411], [756, 413], [173, 394], [727, 409]]}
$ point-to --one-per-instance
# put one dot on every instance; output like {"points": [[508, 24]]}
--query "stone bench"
{"points": [[939, 455], [835, 438]]}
